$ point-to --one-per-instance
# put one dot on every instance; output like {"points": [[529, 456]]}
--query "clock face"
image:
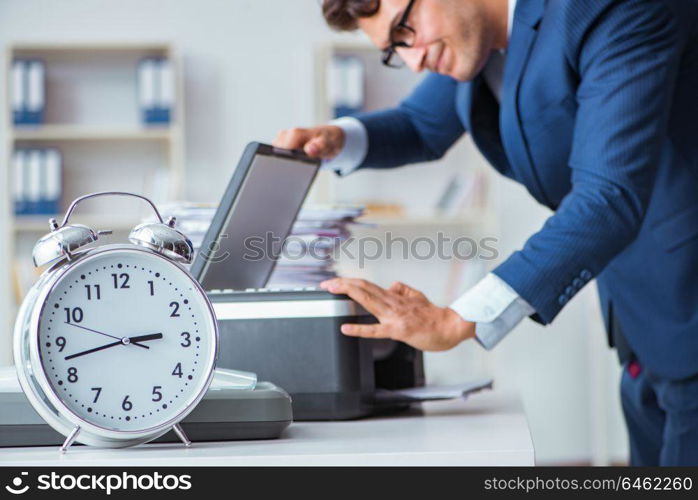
{"points": [[126, 340]]}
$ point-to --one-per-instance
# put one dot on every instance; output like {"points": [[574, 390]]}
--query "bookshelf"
{"points": [[92, 117]]}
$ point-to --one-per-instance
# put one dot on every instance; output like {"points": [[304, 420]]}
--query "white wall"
{"points": [[249, 72]]}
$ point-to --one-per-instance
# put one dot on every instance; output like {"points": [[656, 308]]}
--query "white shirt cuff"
{"points": [[355, 146], [495, 308]]}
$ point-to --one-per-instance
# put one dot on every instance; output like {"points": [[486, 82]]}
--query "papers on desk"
{"points": [[308, 256], [432, 393]]}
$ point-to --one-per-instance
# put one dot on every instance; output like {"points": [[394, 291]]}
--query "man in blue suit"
{"points": [[591, 105]]}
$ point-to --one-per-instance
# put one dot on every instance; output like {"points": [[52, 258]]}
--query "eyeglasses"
{"points": [[401, 36]]}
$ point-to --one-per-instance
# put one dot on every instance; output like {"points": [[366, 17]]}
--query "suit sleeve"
{"points": [[627, 66], [422, 128]]}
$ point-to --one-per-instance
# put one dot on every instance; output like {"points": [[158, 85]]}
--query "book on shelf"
{"points": [[345, 81], [37, 181], [28, 78], [156, 90]]}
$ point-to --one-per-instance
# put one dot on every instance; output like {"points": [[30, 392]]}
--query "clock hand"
{"points": [[102, 333], [90, 351], [142, 338], [91, 330], [124, 341]]}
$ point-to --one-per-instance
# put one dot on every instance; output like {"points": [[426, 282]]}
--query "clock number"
{"points": [[126, 405], [72, 374], [178, 370], [98, 295], [186, 342], [60, 342], [157, 395], [98, 390], [175, 309], [75, 314], [152, 288], [124, 280]]}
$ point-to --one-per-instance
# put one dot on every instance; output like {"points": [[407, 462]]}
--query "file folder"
{"points": [[346, 85], [20, 182], [28, 91], [36, 92], [18, 91], [37, 181], [156, 90]]}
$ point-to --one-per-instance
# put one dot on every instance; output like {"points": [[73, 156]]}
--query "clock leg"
{"points": [[70, 439], [180, 433]]}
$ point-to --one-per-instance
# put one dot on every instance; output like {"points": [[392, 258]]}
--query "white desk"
{"points": [[487, 429]]}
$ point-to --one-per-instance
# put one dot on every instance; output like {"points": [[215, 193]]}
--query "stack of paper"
{"points": [[308, 255]]}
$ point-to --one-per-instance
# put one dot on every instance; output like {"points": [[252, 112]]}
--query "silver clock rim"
{"points": [[61, 416]]}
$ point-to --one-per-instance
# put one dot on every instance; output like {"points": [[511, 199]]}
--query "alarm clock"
{"points": [[115, 344]]}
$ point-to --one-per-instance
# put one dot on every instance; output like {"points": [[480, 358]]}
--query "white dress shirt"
{"points": [[492, 304]]}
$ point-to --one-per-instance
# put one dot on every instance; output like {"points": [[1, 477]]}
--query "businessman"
{"points": [[591, 105]]}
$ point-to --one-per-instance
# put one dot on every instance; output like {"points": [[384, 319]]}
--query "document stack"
{"points": [[309, 253], [156, 96], [37, 181], [28, 91], [346, 85]]}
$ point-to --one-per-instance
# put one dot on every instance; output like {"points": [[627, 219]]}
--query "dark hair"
{"points": [[342, 15]]}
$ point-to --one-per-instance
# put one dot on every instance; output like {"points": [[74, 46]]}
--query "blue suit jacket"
{"points": [[599, 120]]}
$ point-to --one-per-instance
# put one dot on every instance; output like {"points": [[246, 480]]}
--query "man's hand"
{"points": [[320, 142], [404, 313]]}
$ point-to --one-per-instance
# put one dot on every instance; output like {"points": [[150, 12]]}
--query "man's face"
{"points": [[453, 37]]}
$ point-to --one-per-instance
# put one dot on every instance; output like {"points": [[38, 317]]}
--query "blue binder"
{"points": [[38, 184], [28, 91], [155, 90], [346, 82]]}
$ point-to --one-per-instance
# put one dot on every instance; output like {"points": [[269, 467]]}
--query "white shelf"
{"points": [[83, 47], [39, 223], [90, 133]]}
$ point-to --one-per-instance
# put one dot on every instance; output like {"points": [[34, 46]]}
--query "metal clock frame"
{"points": [[41, 393]]}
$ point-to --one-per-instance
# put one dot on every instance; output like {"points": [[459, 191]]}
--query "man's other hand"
{"points": [[319, 142], [404, 314]]}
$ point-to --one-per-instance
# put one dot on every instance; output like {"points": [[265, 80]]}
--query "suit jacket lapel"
{"points": [[523, 35], [482, 121]]}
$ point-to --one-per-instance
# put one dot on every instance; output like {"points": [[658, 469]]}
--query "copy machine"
{"points": [[291, 337]]}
